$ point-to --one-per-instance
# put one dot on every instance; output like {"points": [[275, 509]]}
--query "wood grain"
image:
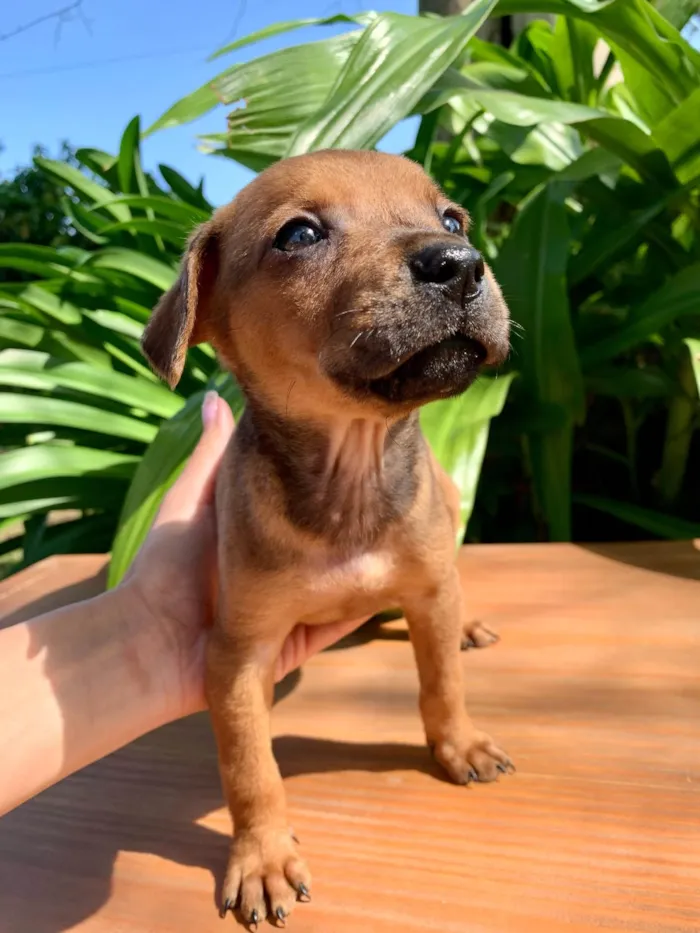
{"points": [[594, 690]]}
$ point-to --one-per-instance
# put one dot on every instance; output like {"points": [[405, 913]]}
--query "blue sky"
{"points": [[84, 78]]}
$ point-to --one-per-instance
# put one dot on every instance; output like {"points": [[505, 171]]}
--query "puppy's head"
{"points": [[338, 278]]}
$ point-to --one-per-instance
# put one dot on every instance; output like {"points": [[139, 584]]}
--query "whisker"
{"points": [[356, 339], [289, 392]]}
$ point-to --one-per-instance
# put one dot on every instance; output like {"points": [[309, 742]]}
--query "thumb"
{"points": [[195, 485]]}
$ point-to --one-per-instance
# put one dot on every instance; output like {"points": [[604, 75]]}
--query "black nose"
{"points": [[458, 269]]}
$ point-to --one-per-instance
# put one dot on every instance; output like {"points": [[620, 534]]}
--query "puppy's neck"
{"points": [[345, 480]]}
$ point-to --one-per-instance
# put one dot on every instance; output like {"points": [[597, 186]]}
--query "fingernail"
{"points": [[209, 409]]}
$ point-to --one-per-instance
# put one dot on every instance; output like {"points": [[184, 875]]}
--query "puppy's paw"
{"points": [[477, 758], [264, 871], [476, 635]]}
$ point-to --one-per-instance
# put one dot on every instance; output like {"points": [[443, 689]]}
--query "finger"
{"points": [[306, 640], [195, 485], [322, 636]]}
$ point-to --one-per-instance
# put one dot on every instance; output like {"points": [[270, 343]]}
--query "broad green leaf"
{"points": [[518, 109], [137, 264], [658, 523], [74, 178], [392, 65], [97, 161], [290, 25], [16, 408], [679, 137], [634, 147], [694, 350], [128, 156], [19, 333], [184, 190], [52, 305], [631, 26], [457, 430], [186, 214], [88, 534], [602, 247], [45, 461], [679, 297], [34, 370], [169, 230], [630, 383], [188, 108], [260, 131], [532, 271], [61, 492], [157, 471]]}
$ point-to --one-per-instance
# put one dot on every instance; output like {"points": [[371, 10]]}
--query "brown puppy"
{"points": [[341, 290]]}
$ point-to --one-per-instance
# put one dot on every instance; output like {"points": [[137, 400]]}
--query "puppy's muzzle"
{"points": [[456, 271]]}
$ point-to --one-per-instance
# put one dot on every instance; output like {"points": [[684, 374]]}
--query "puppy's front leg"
{"points": [[263, 866], [435, 620]]}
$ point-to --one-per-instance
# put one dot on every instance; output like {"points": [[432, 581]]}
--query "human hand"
{"points": [[170, 589]]}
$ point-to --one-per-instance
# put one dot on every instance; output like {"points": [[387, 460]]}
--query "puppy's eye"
{"points": [[452, 224], [296, 235]]}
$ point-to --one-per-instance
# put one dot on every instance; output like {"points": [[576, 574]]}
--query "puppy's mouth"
{"points": [[441, 370]]}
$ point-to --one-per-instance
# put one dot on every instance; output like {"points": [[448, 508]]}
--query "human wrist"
{"points": [[154, 652]]}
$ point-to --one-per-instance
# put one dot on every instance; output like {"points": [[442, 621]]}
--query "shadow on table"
{"points": [[674, 558], [57, 852]]}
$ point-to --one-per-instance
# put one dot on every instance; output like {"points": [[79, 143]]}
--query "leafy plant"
{"points": [[582, 176], [78, 405]]}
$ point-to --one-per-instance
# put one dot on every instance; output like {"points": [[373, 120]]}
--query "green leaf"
{"points": [[18, 333], [631, 26], [184, 190], [392, 65], [658, 523], [457, 430], [34, 370], [601, 247], [52, 305], [128, 156], [102, 197], [136, 264], [157, 471], [275, 106], [16, 408], [289, 25], [630, 383], [45, 461], [82, 492], [186, 214], [188, 108], [532, 271], [679, 297], [679, 137], [694, 350], [511, 107], [634, 147], [167, 229]]}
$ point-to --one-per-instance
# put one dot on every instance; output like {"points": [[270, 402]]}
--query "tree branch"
{"points": [[62, 15]]}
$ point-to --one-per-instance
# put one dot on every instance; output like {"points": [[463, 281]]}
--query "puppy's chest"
{"points": [[336, 587]]}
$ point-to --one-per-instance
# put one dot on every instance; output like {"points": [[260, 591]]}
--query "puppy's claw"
{"points": [[281, 915], [227, 905], [472, 776], [254, 918], [467, 643], [303, 892]]}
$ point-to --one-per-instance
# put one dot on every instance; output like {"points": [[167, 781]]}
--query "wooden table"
{"points": [[594, 690]]}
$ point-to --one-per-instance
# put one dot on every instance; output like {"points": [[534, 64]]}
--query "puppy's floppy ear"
{"points": [[181, 317]]}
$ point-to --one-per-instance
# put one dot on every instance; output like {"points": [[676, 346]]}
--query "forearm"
{"points": [[75, 685]]}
